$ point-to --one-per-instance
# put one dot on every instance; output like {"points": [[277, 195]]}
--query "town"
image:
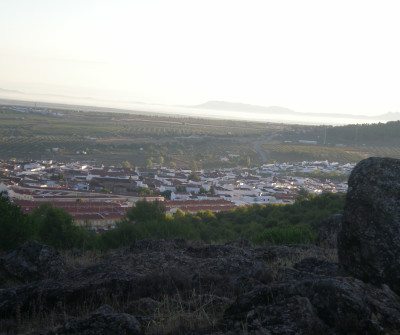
{"points": [[99, 196]]}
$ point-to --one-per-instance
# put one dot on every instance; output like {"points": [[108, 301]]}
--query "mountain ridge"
{"points": [[209, 105], [243, 107]]}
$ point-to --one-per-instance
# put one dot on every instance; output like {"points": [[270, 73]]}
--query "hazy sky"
{"points": [[310, 56]]}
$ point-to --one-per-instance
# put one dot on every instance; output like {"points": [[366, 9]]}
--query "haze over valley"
{"points": [[168, 57], [211, 109]]}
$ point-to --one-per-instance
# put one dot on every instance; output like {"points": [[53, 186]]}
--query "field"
{"points": [[144, 140], [112, 138], [297, 153]]}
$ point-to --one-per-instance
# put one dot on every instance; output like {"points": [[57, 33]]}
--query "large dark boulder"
{"points": [[320, 306], [328, 232], [320, 267], [205, 289], [102, 321], [369, 242], [32, 261]]}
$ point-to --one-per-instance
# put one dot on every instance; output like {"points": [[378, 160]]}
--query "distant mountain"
{"points": [[2, 90], [388, 116], [69, 97], [240, 107]]}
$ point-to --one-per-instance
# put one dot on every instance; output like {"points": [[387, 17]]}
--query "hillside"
{"points": [[345, 285]]}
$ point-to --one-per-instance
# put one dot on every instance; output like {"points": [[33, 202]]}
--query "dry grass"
{"points": [[178, 316], [174, 315], [75, 259], [329, 255], [198, 312]]}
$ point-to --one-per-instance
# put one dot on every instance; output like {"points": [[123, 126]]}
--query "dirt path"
{"points": [[257, 147]]}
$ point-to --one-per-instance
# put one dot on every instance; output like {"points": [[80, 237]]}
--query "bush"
{"points": [[288, 235], [54, 226], [14, 229]]}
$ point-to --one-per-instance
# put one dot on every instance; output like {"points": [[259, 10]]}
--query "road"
{"points": [[257, 147]]}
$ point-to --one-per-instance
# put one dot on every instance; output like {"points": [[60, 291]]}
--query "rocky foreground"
{"points": [[177, 287]]}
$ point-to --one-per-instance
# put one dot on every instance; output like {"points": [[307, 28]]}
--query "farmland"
{"points": [[140, 140]]}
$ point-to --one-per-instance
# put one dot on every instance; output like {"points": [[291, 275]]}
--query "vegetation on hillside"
{"points": [[121, 138], [262, 224], [146, 140]]}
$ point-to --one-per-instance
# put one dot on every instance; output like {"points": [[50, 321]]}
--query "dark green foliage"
{"points": [[145, 211], [13, 227], [143, 190], [271, 224], [166, 194], [288, 235], [262, 224], [47, 224], [54, 226], [180, 189], [193, 176], [364, 133], [124, 234]]}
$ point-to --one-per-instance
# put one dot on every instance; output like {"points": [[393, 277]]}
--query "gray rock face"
{"points": [[369, 243], [318, 266], [321, 306], [165, 287], [32, 261], [328, 232], [102, 321]]}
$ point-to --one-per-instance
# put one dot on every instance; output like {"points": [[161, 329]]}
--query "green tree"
{"points": [[145, 211], [55, 227], [193, 176], [179, 214], [202, 190], [14, 229], [143, 190], [193, 165], [149, 163], [57, 177], [166, 194], [126, 164], [161, 160], [212, 190], [248, 161], [180, 188], [302, 194]]}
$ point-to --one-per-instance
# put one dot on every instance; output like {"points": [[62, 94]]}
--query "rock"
{"points": [[328, 231], [294, 315], [332, 306], [185, 288], [284, 275], [32, 261], [143, 306], [285, 255], [152, 269], [261, 273], [369, 243], [240, 243], [102, 322], [318, 266]]}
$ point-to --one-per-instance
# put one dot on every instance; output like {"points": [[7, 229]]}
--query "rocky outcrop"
{"points": [[140, 277], [32, 261], [328, 232], [369, 243], [322, 306], [103, 321], [258, 290]]}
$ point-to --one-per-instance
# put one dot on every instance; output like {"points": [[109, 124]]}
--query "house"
{"points": [[98, 221]]}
